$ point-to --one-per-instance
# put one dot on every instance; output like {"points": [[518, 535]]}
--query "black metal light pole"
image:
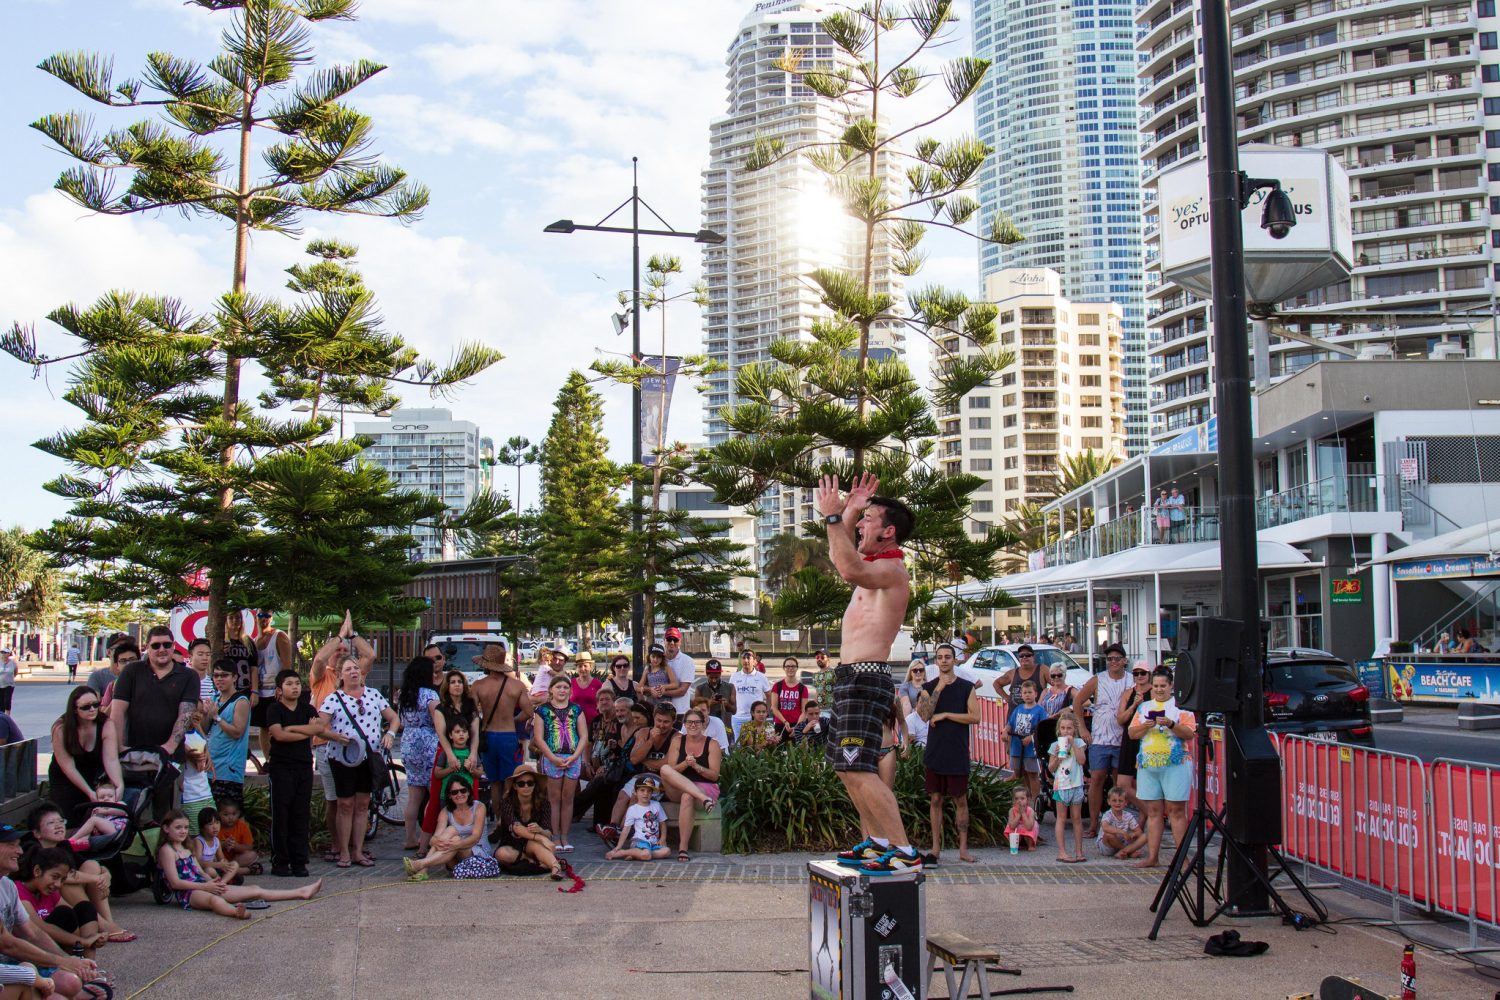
{"points": [[705, 236], [1246, 743]]}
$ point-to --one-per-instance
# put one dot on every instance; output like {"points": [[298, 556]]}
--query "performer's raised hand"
{"points": [[860, 491], [830, 500]]}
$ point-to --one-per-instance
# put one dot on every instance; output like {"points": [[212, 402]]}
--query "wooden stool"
{"points": [[954, 950]]}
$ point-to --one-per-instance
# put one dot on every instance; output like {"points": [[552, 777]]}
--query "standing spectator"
{"points": [[200, 658], [550, 662], [620, 683], [750, 687], [1161, 513], [787, 696], [1056, 696], [561, 736], [718, 692], [1021, 729], [1104, 731], [457, 709], [123, 652], [503, 703], [1139, 691], [155, 698], [84, 752], [1065, 759], [323, 680], [7, 679], [683, 672], [1008, 684], [586, 687], [418, 708], [1164, 774], [291, 724], [820, 660], [225, 720], [691, 776], [273, 648], [908, 690], [72, 658], [457, 763], [240, 650], [21, 940], [352, 716], [1177, 514], [955, 707]]}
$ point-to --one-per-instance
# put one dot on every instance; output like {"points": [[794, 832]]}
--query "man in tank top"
{"points": [[1104, 742]]}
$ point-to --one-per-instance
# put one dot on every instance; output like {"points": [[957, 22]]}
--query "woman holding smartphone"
{"points": [[1164, 771]]}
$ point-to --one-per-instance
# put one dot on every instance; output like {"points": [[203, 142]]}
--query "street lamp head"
{"points": [[709, 238], [560, 226], [1278, 217]]}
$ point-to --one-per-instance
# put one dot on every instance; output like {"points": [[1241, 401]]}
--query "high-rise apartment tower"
{"points": [[1059, 107]]}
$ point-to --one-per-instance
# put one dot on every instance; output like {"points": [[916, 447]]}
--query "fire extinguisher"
{"points": [[1408, 973]]}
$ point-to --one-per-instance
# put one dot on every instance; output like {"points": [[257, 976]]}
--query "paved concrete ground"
{"points": [[727, 927]]}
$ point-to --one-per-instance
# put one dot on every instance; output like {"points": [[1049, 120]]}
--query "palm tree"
{"points": [[789, 554]]}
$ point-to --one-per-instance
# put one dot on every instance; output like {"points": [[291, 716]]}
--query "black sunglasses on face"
{"points": [[161, 645], [526, 784], [86, 706]]}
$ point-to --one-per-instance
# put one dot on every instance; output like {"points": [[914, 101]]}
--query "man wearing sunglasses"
{"points": [[1105, 691], [155, 698]]}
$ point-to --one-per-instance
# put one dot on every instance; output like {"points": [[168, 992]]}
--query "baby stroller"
{"points": [[130, 855]]}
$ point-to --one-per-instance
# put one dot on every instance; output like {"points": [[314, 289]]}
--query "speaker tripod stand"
{"points": [[1187, 881]]}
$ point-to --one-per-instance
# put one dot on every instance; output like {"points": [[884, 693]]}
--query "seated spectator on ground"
{"points": [[22, 940], [715, 728], [525, 822], [236, 838], [1120, 831], [459, 837], [207, 849], [757, 733], [613, 768], [192, 889], [88, 881], [1023, 822], [39, 883], [643, 825], [810, 729], [647, 754]]}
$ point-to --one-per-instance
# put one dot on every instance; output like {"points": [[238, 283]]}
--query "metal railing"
{"points": [[1333, 495]]}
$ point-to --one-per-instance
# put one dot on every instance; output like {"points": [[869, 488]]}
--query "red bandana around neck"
{"points": [[887, 554]]}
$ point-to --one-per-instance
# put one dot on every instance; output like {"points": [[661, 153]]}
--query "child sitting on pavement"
{"points": [[1022, 821], [236, 840], [1120, 832], [208, 850], [643, 825]]}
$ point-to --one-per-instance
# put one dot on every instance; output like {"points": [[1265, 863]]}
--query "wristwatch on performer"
{"points": [[834, 519]]}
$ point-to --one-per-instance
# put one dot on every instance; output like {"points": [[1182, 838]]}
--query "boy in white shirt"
{"points": [[1120, 830], [643, 825]]}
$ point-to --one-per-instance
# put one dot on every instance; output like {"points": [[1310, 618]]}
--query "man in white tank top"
{"points": [[1106, 690]]}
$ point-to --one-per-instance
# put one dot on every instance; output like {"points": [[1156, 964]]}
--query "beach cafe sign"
{"points": [[1446, 569]]}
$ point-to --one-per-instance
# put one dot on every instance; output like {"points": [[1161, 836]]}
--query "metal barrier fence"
{"points": [[1465, 841], [1360, 813], [985, 745]]}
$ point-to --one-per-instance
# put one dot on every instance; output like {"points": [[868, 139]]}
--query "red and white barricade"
{"points": [[1466, 843], [985, 744]]}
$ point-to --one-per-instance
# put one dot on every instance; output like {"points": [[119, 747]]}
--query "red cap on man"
{"points": [[674, 633]]}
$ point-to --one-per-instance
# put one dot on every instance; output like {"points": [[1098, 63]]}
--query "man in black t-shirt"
{"points": [[155, 699], [292, 724], [954, 707]]}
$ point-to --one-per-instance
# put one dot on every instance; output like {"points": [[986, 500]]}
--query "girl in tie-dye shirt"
{"points": [[561, 735]]}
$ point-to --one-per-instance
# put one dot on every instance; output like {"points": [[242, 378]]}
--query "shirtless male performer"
{"points": [[503, 703], [862, 689]]}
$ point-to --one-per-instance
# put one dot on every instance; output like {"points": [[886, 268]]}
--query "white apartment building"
{"points": [[1397, 91], [1064, 395], [427, 450], [781, 222], [736, 524]]}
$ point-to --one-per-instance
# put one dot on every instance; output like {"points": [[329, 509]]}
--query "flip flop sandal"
{"points": [[342, 864], [684, 856], [557, 873], [365, 862], [121, 937], [257, 904]]}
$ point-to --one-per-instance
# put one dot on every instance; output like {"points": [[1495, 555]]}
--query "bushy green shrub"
{"points": [[790, 799]]}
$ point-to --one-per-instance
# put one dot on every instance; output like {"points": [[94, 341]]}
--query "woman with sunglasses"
{"points": [[1130, 700], [525, 820], [459, 837], [1057, 695], [909, 690], [692, 776], [619, 682], [83, 753]]}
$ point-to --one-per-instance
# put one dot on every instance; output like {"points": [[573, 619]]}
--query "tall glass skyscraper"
{"points": [[1059, 107]]}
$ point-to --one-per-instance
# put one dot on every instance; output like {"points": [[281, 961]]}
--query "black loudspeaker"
{"points": [[1207, 677], [1253, 787]]}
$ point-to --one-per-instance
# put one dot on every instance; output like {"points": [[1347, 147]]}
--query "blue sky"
{"points": [[515, 115]]}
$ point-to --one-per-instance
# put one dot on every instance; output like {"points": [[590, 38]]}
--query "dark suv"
{"points": [[1316, 694]]}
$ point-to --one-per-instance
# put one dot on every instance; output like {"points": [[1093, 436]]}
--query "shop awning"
{"points": [[1463, 552]]}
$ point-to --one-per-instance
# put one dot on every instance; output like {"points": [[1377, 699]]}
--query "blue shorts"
{"points": [[551, 770], [1068, 796], [1173, 782], [500, 755], [644, 845], [1103, 757]]}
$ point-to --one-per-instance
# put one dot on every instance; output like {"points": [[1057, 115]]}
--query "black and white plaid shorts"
{"points": [[863, 694]]}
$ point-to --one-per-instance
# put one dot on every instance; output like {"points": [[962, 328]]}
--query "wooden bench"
{"points": [[955, 950], [708, 831]]}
